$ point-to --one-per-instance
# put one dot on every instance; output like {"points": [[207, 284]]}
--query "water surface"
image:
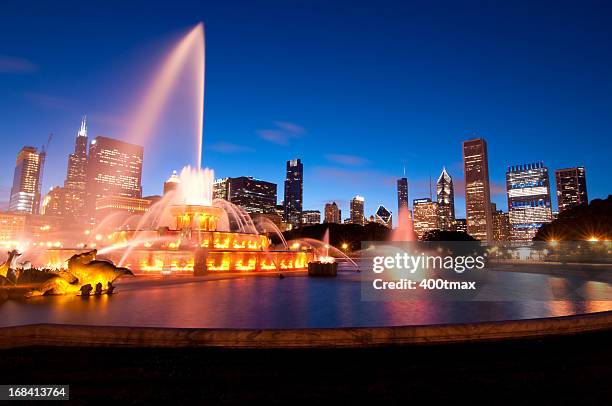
{"points": [[270, 302]]}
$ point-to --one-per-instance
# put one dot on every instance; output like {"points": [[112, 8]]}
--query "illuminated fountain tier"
{"points": [[195, 244], [197, 227]]}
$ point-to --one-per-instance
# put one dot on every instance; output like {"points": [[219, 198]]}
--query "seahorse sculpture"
{"points": [[90, 271], [48, 282], [10, 263], [83, 270]]}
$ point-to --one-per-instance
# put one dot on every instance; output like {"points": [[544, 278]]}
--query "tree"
{"points": [[350, 234], [439, 235], [582, 222]]}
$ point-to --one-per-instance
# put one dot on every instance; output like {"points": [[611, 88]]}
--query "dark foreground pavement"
{"points": [[562, 370]]}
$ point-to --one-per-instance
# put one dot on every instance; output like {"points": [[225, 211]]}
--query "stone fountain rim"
{"points": [[59, 335]]}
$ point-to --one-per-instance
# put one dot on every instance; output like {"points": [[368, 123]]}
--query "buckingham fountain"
{"points": [[187, 231]]}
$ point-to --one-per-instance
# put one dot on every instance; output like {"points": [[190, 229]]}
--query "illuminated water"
{"points": [[270, 302]]}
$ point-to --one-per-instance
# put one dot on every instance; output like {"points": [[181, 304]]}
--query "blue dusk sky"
{"points": [[357, 90]]}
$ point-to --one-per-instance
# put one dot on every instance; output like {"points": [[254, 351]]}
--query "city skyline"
{"points": [[280, 128], [76, 180]]}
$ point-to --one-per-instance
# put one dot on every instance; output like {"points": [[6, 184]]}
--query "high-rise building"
{"points": [[253, 195], [383, 216], [528, 199], [357, 210], [424, 216], [112, 204], [311, 217], [172, 183], [73, 195], [402, 194], [571, 187], [294, 187], [54, 203], [221, 189], [445, 196], [501, 224], [76, 175], [461, 225], [273, 217], [12, 228], [477, 189], [27, 181], [114, 169], [332, 213]]}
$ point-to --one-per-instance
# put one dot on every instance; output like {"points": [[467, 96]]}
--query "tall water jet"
{"points": [[189, 52], [188, 230], [405, 228], [196, 186]]}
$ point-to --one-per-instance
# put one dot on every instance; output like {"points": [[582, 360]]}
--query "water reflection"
{"points": [[294, 302]]}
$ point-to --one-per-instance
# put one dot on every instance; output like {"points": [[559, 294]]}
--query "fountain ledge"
{"points": [[54, 335]]}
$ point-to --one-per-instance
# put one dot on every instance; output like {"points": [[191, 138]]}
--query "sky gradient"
{"points": [[357, 90]]}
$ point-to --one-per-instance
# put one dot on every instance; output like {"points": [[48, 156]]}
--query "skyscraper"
{"points": [[74, 195], [54, 202], [477, 190], [402, 194], [221, 189], [27, 181], [254, 195], [445, 196], [357, 210], [383, 216], [332, 213], [424, 216], [461, 225], [294, 186], [528, 199], [114, 169], [311, 217], [501, 224], [571, 187], [76, 175]]}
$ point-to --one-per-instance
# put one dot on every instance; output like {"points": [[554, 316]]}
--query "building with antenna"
{"points": [[76, 175], [68, 202], [402, 194], [294, 189], [445, 196]]}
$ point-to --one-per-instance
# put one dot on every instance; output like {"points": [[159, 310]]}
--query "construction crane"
{"points": [[45, 147], [43, 156]]}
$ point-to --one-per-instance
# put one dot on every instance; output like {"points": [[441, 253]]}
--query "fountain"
{"points": [[405, 227], [187, 231], [190, 232], [326, 265]]}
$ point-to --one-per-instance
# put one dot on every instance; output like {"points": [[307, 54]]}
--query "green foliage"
{"points": [[439, 235], [580, 223], [351, 234]]}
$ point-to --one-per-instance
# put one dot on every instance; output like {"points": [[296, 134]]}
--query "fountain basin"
{"points": [[318, 268]]}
